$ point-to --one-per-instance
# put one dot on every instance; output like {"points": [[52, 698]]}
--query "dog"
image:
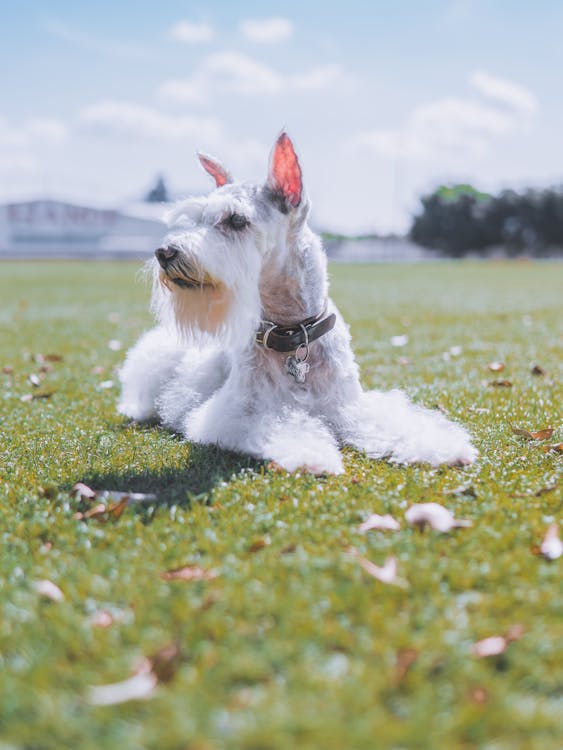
{"points": [[250, 353]]}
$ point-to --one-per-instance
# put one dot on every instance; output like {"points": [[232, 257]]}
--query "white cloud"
{"points": [[506, 92], [129, 119], [454, 127], [235, 73], [268, 30], [84, 40], [316, 79], [192, 33], [31, 131]]}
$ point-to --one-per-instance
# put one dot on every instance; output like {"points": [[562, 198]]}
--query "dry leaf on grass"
{"points": [[385, 574], [538, 370], [258, 544], [189, 573], [496, 366], [132, 498], [435, 516], [405, 659], [556, 448], [53, 357], [102, 619], [501, 383], [49, 590], [7, 369], [160, 667], [552, 546], [36, 396], [139, 687], [544, 434], [383, 523], [495, 645], [82, 490]]}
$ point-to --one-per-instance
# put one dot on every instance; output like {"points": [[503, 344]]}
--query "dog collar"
{"points": [[290, 338]]}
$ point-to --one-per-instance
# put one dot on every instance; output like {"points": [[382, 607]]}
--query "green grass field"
{"points": [[291, 645]]}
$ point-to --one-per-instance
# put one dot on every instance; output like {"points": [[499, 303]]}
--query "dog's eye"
{"points": [[237, 221]]}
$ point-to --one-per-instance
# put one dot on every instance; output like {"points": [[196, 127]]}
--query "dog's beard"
{"points": [[199, 302]]}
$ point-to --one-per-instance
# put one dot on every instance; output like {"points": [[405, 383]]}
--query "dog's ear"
{"points": [[284, 178], [215, 169]]}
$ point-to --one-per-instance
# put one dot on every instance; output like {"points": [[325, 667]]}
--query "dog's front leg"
{"points": [[289, 437], [388, 425]]}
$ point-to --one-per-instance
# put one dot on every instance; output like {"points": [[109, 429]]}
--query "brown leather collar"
{"points": [[290, 338]]}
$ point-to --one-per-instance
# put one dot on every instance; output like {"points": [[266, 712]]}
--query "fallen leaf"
{"points": [[139, 687], [116, 511], [557, 448], [405, 659], [36, 396], [189, 573], [258, 545], [478, 695], [401, 340], [552, 546], [53, 357], [545, 490], [288, 549], [132, 497], [102, 619], [383, 523], [538, 370], [468, 490], [8, 370], [82, 490], [544, 434], [501, 383], [495, 645], [435, 516], [164, 662], [496, 366], [160, 667], [385, 574], [34, 380], [491, 646], [49, 590]]}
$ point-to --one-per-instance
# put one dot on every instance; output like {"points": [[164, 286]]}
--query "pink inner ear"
{"points": [[285, 171], [216, 170]]}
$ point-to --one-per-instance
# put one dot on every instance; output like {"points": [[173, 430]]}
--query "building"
{"points": [[54, 229]]}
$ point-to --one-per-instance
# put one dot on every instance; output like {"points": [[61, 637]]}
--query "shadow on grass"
{"points": [[206, 467]]}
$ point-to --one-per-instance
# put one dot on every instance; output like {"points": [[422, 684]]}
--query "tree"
{"points": [[158, 193]]}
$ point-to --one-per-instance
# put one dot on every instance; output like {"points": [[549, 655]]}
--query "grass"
{"points": [[292, 645]]}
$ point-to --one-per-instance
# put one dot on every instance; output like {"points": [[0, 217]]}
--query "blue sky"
{"points": [[384, 100]]}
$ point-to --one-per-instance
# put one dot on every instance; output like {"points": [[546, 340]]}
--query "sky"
{"points": [[384, 100]]}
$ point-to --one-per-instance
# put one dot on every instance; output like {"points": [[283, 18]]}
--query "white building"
{"points": [[53, 229]]}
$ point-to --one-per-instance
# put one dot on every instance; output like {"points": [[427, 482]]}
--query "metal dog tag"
{"points": [[297, 368]]}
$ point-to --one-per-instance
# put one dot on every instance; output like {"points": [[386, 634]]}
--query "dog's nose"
{"points": [[164, 254]]}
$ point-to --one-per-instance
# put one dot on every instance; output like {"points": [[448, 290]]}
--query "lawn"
{"points": [[284, 641]]}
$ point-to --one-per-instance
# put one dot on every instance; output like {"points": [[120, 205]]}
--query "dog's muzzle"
{"points": [[165, 254]]}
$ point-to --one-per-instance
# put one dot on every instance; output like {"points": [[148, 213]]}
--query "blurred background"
{"points": [[433, 124]]}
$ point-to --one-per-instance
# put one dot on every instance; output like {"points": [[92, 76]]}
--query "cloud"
{"points": [[454, 127], [234, 73], [192, 33], [32, 131], [506, 92], [117, 118], [87, 41], [268, 30]]}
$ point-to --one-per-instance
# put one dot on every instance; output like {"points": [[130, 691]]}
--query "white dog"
{"points": [[250, 352]]}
